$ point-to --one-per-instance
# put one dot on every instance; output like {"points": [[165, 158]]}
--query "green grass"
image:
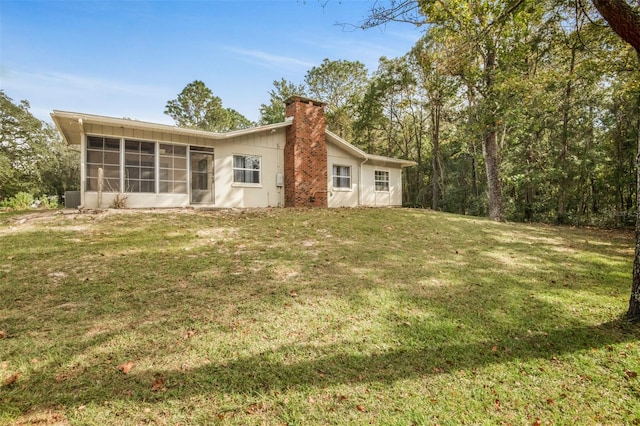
{"points": [[381, 316]]}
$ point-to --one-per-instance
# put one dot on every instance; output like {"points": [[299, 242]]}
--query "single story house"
{"points": [[296, 163]]}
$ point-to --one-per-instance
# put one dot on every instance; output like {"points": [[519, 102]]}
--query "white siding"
{"points": [[341, 197], [268, 145], [373, 198]]}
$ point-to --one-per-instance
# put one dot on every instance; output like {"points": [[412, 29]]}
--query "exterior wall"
{"points": [[341, 197], [268, 145], [373, 198], [305, 154], [363, 189]]}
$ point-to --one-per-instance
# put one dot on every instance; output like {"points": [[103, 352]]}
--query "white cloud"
{"points": [[271, 60], [61, 83], [47, 91]]}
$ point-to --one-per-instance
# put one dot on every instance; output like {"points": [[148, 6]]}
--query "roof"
{"points": [[71, 124]]}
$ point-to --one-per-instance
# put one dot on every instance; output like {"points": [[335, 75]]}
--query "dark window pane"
{"points": [[131, 146], [95, 142], [111, 144], [147, 147]]}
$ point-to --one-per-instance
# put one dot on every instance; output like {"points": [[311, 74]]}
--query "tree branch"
{"points": [[623, 20]]}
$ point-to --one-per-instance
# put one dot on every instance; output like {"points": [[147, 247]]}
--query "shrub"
{"points": [[21, 201], [49, 201]]}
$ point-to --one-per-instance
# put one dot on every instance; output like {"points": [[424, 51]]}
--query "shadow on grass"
{"points": [[494, 305], [330, 365]]}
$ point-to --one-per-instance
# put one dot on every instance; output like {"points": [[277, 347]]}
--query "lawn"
{"points": [[341, 316]]}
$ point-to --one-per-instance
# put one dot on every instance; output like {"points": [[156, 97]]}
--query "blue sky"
{"points": [[128, 58]]}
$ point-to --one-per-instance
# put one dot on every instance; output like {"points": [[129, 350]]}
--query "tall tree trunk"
{"points": [[435, 153], [566, 109], [490, 148], [492, 164], [633, 313], [625, 22]]}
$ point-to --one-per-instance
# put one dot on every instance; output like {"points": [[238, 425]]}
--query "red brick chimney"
{"points": [[305, 154]]}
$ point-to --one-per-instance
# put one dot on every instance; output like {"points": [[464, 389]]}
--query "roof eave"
{"points": [[57, 116]]}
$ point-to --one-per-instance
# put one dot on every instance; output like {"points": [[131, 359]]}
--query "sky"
{"points": [[128, 58]]}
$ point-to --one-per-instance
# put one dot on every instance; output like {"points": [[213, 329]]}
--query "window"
{"points": [[342, 177], [173, 169], [246, 169], [139, 163], [382, 180], [103, 153]]}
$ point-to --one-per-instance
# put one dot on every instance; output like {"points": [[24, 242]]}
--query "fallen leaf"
{"points": [[360, 408], [254, 408], [12, 379], [497, 405], [158, 383], [550, 401], [536, 422], [631, 374], [189, 334], [494, 349], [126, 367], [3, 334]]}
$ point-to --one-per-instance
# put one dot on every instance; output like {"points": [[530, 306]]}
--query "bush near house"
{"points": [[357, 316]]}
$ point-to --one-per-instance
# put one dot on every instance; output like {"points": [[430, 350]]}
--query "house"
{"points": [[296, 163]]}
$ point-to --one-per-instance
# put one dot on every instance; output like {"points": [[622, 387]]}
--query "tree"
{"points": [[282, 90], [624, 20], [197, 108], [490, 18], [341, 84], [33, 156]]}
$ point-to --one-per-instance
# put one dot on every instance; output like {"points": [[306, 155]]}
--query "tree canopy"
{"points": [[196, 107], [33, 156]]}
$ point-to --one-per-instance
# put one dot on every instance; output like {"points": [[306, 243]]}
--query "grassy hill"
{"points": [[381, 316]]}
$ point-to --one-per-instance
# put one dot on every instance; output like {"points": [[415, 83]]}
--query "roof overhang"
{"points": [[376, 160], [71, 125]]}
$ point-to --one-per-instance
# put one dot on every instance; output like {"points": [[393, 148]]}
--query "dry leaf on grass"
{"points": [[12, 379], [158, 383], [126, 367]]}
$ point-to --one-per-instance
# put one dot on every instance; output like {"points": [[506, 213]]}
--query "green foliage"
{"points": [[341, 84], [33, 156], [21, 201], [275, 110], [196, 107], [557, 93], [48, 202]]}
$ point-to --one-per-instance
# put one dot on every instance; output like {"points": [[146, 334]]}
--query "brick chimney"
{"points": [[305, 154]]}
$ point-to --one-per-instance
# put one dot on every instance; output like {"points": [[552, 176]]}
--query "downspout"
{"points": [[360, 201], [83, 160]]}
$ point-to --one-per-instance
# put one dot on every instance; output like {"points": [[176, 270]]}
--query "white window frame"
{"points": [[335, 168], [377, 181], [87, 164], [234, 168], [171, 183], [123, 148]]}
